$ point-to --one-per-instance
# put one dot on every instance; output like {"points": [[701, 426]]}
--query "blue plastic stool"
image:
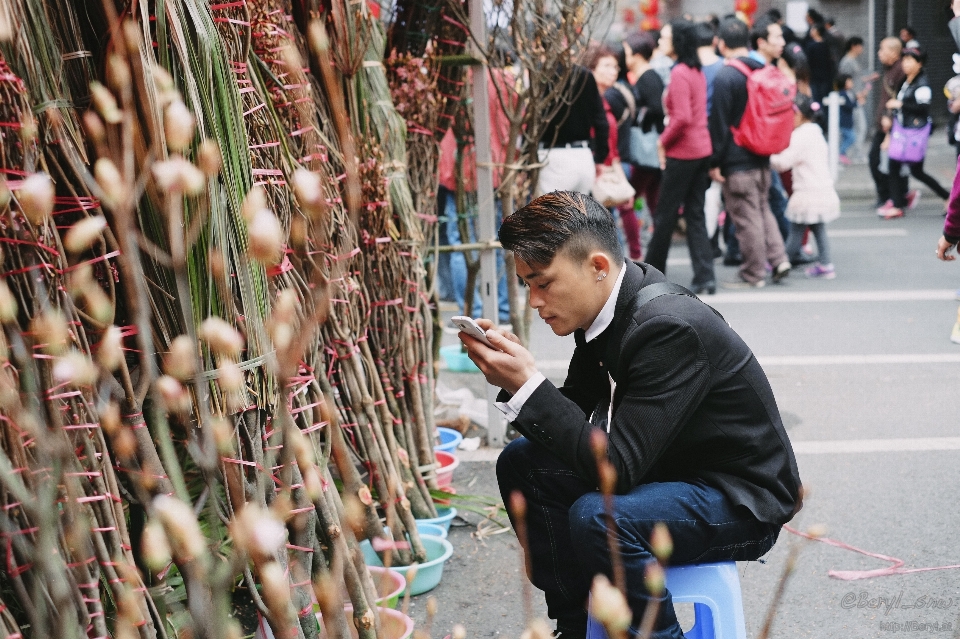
{"points": [[714, 591]]}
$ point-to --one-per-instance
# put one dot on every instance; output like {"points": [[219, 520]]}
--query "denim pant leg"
{"points": [[778, 203], [819, 231], [795, 242], [458, 262], [550, 488], [704, 524]]}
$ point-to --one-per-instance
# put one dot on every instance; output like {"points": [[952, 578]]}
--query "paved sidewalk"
{"points": [[866, 380]]}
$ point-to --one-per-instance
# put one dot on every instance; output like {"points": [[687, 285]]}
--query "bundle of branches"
{"points": [[543, 41], [425, 91], [136, 495]]}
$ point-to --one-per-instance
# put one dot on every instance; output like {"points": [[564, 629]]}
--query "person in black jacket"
{"points": [[745, 175], [575, 141], [912, 109], [693, 429]]}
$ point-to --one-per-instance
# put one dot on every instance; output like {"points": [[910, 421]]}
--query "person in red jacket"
{"points": [[685, 151]]}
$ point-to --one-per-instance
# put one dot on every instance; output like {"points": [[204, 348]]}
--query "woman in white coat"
{"points": [[814, 201]]}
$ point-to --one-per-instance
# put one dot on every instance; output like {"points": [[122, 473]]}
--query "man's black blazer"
{"points": [[691, 403]]}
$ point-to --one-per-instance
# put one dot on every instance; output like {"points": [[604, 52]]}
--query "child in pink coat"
{"points": [[814, 201]]}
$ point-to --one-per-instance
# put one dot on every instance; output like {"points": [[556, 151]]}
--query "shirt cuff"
{"points": [[511, 409]]}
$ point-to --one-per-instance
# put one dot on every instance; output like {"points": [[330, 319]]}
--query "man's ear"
{"points": [[600, 262]]}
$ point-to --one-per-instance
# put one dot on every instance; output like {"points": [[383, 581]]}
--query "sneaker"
{"points": [[955, 335], [883, 208], [913, 198], [821, 272], [741, 283], [892, 213], [782, 270]]}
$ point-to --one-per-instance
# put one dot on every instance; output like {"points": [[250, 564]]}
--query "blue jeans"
{"points": [[795, 242], [458, 263], [567, 534], [848, 137]]}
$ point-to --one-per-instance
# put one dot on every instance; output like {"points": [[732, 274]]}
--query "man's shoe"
{"points": [[913, 198], [821, 272], [732, 260], [782, 270], [892, 213], [710, 288], [741, 283]]}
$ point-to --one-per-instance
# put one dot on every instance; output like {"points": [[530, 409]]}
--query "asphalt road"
{"points": [[867, 381]]}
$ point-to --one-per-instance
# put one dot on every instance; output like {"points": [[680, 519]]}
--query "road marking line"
{"points": [[816, 447], [875, 445], [857, 360], [858, 233], [777, 297], [815, 360]]}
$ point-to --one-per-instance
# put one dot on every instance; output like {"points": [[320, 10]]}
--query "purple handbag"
{"points": [[908, 145]]}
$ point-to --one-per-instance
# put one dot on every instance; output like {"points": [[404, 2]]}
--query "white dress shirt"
{"points": [[511, 409]]}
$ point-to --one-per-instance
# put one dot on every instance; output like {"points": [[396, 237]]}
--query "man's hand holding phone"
{"points": [[508, 364]]}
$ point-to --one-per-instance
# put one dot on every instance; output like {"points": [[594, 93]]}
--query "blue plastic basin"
{"points": [[449, 439], [428, 573], [434, 530], [456, 360], [445, 515]]}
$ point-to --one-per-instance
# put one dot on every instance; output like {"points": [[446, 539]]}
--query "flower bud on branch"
{"points": [[84, 233], [35, 196]]}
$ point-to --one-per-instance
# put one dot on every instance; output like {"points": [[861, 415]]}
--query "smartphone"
{"points": [[471, 328]]}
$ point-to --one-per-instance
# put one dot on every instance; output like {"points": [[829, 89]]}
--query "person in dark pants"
{"points": [[889, 56], [685, 151], [912, 108], [648, 91], [692, 426]]}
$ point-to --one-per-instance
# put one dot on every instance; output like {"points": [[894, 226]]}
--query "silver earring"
{"points": [[601, 276]]}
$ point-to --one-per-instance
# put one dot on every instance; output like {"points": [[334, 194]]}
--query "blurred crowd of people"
{"points": [[652, 127]]}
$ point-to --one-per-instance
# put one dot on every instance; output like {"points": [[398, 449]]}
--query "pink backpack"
{"points": [[768, 119]]}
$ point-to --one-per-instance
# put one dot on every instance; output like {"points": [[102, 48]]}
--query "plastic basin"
{"points": [[448, 463], [393, 623], [428, 573], [445, 515], [456, 360], [435, 530], [449, 439]]}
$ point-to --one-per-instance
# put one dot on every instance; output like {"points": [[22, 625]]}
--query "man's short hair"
{"points": [[733, 33], [893, 43], [774, 14], [760, 30], [561, 221], [853, 41], [705, 34]]}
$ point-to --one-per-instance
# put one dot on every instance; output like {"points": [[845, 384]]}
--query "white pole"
{"points": [[871, 35], [833, 133], [486, 216]]}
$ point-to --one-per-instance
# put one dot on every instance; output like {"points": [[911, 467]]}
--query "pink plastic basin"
{"points": [[448, 463]]}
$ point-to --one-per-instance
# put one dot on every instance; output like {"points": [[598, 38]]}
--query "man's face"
{"points": [[856, 50], [772, 47], [887, 55], [565, 293]]}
